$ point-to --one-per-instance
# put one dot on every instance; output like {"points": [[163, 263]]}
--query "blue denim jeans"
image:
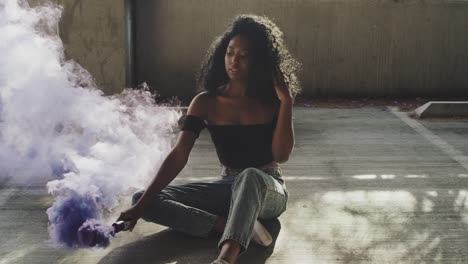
{"points": [[240, 195]]}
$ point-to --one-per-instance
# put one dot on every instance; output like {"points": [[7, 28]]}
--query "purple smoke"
{"points": [[74, 222], [67, 215], [93, 233]]}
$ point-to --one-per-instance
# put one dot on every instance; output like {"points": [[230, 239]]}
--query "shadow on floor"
{"points": [[169, 246]]}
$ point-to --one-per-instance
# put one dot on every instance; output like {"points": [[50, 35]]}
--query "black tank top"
{"points": [[238, 146]]}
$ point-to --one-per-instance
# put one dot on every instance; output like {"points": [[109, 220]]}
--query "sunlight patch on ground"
{"points": [[365, 177], [16, 255], [372, 226]]}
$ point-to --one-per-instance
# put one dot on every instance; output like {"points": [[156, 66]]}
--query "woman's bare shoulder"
{"points": [[199, 106]]}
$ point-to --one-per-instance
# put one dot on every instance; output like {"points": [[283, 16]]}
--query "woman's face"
{"points": [[237, 59]]}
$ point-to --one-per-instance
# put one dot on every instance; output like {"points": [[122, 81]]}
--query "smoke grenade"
{"points": [[95, 234]]}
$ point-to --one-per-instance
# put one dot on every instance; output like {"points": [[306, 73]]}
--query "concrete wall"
{"points": [[94, 34], [347, 47]]}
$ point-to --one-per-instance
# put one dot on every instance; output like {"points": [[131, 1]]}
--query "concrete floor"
{"points": [[367, 185]]}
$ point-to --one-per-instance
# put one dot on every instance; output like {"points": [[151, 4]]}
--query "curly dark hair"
{"points": [[268, 51]]}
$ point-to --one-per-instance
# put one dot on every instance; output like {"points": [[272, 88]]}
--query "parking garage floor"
{"points": [[367, 185]]}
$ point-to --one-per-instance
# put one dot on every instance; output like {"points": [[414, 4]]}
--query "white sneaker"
{"points": [[219, 261], [261, 235]]}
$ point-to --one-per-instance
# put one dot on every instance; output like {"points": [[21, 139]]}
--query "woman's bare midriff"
{"points": [[271, 164]]}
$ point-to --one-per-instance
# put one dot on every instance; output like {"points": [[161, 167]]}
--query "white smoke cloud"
{"points": [[56, 125]]}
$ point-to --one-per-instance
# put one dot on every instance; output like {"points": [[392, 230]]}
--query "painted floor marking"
{"points": [[445, 147]]}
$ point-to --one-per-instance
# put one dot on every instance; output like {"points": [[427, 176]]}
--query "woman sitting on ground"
{"points": [[249, 81]]}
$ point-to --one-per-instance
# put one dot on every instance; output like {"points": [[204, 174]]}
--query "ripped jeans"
{"points": [[241, 196]]}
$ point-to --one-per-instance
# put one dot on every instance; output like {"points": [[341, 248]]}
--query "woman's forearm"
{"points": [[283, 136], [169, 169]]}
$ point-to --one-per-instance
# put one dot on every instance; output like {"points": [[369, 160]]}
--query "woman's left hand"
{"points": [[281, 88]]}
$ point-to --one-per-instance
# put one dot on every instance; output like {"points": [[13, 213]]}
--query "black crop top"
{"points": [[237, 146]]}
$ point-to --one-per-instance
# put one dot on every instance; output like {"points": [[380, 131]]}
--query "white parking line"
{"points": [[445, 147]]}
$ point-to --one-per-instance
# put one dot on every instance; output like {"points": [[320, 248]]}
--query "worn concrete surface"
{"points": [[94, 35], [367, 185], [347, 47]]}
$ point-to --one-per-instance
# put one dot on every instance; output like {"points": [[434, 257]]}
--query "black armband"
{"points": [[194, 124]]}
